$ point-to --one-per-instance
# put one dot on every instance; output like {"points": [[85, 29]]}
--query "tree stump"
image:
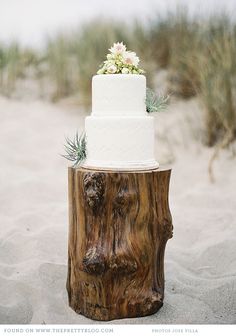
{"points": [[119, 225]]}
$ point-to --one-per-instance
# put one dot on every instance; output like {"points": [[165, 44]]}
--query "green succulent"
{"points": [[154, 102], [76, 149]]}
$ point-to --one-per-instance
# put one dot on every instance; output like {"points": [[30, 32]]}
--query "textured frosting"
{"points": [[118, 95], [119, 132], [120, 142]]}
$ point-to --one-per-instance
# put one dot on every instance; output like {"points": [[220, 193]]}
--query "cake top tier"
{"points": [[118, 95]]}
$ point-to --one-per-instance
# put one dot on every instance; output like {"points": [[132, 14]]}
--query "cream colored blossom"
{"points": [[131, 58], [109, 56], [125, 71], [111, 69], [118, 48]]}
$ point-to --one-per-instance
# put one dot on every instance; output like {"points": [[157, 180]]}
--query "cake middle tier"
{"points": [[120, 142]]}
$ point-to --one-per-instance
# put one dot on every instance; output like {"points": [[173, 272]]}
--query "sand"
{"points": [[200, 262]]}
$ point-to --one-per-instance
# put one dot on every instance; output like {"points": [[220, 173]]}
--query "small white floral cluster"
{"points": [[120, 61]]}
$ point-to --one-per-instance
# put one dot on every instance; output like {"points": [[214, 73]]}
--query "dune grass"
{"points": [[61, 68], [214, 66], [199, 55], [14, 63], [184, 44], [10, 67]]}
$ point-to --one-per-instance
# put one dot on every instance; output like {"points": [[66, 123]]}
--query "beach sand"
{"points": [[200, 259]]}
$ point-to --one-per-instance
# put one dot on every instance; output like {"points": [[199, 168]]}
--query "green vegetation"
{"points": [[154, 102], [60, 66], [76, 149], [10, 67], [199, 55]]}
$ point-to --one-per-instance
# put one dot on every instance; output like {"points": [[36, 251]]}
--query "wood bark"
{"points": [[119, 223]]}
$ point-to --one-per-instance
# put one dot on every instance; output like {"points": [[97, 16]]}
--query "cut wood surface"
{"points": [[119, 223]]}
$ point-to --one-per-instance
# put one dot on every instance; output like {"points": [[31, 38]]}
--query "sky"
{"points": [[30, 21]]}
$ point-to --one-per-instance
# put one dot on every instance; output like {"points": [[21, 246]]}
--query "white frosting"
{"points": [[119, 132], [118, 95]]}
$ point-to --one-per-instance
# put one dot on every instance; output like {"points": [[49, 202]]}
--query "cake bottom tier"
{"points": [[122, 143]]}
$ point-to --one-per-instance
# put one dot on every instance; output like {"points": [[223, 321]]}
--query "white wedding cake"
{"points": [[119, 131]]}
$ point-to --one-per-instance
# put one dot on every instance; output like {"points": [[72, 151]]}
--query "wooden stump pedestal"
{"points": [[119, 225]]}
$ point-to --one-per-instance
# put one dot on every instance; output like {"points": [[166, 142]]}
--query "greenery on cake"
{"points": [[154, 102], [120, 61], [76, 149]]}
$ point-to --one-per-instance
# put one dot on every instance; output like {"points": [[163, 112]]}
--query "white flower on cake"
{"points": [[118, 48], [125, 70], [109, 57], [130, 57], [111, 69], [120, 61]]}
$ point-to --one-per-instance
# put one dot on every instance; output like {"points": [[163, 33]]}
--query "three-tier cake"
{"points": [[119, 131]]}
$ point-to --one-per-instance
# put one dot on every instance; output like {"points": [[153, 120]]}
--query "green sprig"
{"points": [[154, 102], [76, 149]]}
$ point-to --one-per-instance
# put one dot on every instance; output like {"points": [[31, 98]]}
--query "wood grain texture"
{"points": [[119, 223]]}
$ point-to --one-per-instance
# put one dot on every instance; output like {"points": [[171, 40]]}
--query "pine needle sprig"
{"points": [[76, 149], [154, 102]]}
